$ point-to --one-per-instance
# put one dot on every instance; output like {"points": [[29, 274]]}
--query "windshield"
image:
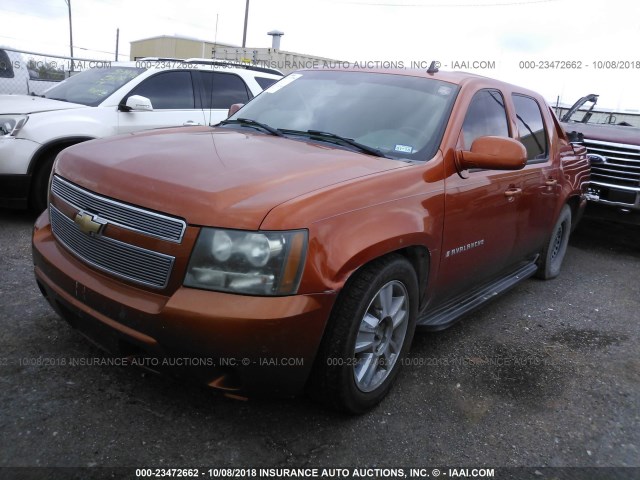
{"points": [[401, 116], [92, 86]]}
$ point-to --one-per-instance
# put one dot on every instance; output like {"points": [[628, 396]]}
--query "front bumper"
{"points": [[15, 179], [240, 344], [614, 195]]}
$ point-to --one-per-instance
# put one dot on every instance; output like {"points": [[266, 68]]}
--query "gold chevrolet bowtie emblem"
{"points": [[89, 224]]}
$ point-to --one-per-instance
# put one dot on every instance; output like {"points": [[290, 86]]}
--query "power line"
{"points": [[66, 46], [432, 5]]}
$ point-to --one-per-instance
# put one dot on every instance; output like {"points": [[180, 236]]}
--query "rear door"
{"points": [[218, 91], [174, 100], [540, 181]]}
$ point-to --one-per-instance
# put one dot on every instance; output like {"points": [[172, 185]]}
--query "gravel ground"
{"points": [[547, 375]]}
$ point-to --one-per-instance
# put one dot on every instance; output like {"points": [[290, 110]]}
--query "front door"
{"points": [[174, 102], [481, 210]]}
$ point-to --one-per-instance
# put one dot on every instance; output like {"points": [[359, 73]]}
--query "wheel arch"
{"points": [[53, 146], [316, 384], [576, 206], [420, 259], [418, 256]]}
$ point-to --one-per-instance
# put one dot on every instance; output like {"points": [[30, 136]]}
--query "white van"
{"points": [[20, 75]]}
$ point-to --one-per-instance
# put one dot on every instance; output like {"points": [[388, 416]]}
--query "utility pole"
{"points": [[246, 20], [117, 42], [68, 2]]}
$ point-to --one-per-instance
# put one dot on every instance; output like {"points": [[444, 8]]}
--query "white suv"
{"points": [[115, 99]]}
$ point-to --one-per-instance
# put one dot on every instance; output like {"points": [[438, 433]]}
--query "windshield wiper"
{"points": [[59, 99], [310, 133], [349, 141], [253, 123]]}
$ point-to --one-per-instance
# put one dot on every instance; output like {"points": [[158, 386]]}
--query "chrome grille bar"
{"points": [[121, 259], [622, 167], [124, 215]]}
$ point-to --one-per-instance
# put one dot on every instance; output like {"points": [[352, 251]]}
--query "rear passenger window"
{"points": [[486, 116], [168, 90], [6, 69], [531, 127], [221, 90]]}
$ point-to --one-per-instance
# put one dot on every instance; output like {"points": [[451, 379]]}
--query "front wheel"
{"points": [[553, 253], [369, 332], [40, 184]]}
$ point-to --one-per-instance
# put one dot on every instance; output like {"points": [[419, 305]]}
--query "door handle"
{"points": [[190, 123], [512, 192], [551, 182]]}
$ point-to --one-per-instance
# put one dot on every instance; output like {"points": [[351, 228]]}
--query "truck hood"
{"points": [[605, 133], [217, 177], [24, 104]]}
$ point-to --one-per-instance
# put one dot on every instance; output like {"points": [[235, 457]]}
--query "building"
{"points": [[166, 46]]}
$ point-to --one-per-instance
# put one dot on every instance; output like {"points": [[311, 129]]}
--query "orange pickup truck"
{"points": [[298, 244]]}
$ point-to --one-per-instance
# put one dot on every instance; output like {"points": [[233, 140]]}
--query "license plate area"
{"points": [[597, 193], [593, 193]]}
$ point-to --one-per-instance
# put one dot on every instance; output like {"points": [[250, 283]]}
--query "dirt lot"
{"points": [[548, 375]]}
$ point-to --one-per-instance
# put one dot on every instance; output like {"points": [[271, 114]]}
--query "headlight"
{"points": [[221, 245], [257, 263], [11, 125]]}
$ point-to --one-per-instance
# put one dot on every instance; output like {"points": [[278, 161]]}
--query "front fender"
{"points": [[53, 146], [340, 245], [352, 223], [90, 122]]}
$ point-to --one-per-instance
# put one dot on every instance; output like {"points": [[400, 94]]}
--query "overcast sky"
{"points": [[506, 32]]}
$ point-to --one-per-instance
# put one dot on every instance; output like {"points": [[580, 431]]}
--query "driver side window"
{"points": [[168, 91], [486, 116]]}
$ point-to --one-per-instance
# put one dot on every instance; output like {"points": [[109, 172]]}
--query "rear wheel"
{"points": [[370, 331], [553, 254]]}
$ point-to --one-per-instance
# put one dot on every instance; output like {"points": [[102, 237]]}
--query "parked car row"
{"points": [[298, 244], [117, 99]]}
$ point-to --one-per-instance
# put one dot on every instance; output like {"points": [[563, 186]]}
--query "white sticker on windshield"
{"points": [[404, 149], [444, 91], [283, 83]]}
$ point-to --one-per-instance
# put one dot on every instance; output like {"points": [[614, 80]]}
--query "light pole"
{"points": [[68, 2], [246, 20]]}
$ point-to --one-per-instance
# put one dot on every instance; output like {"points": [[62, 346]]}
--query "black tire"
{"points": [[38, 197], [553, 253], [380, 288]]}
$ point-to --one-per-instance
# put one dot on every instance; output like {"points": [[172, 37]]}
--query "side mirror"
{"points": [[492, 153], [234, 108], [138, 103]]}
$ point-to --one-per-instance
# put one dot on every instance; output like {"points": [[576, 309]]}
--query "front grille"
{"points": [[622, 168], [121, 259], [126, 216]]}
